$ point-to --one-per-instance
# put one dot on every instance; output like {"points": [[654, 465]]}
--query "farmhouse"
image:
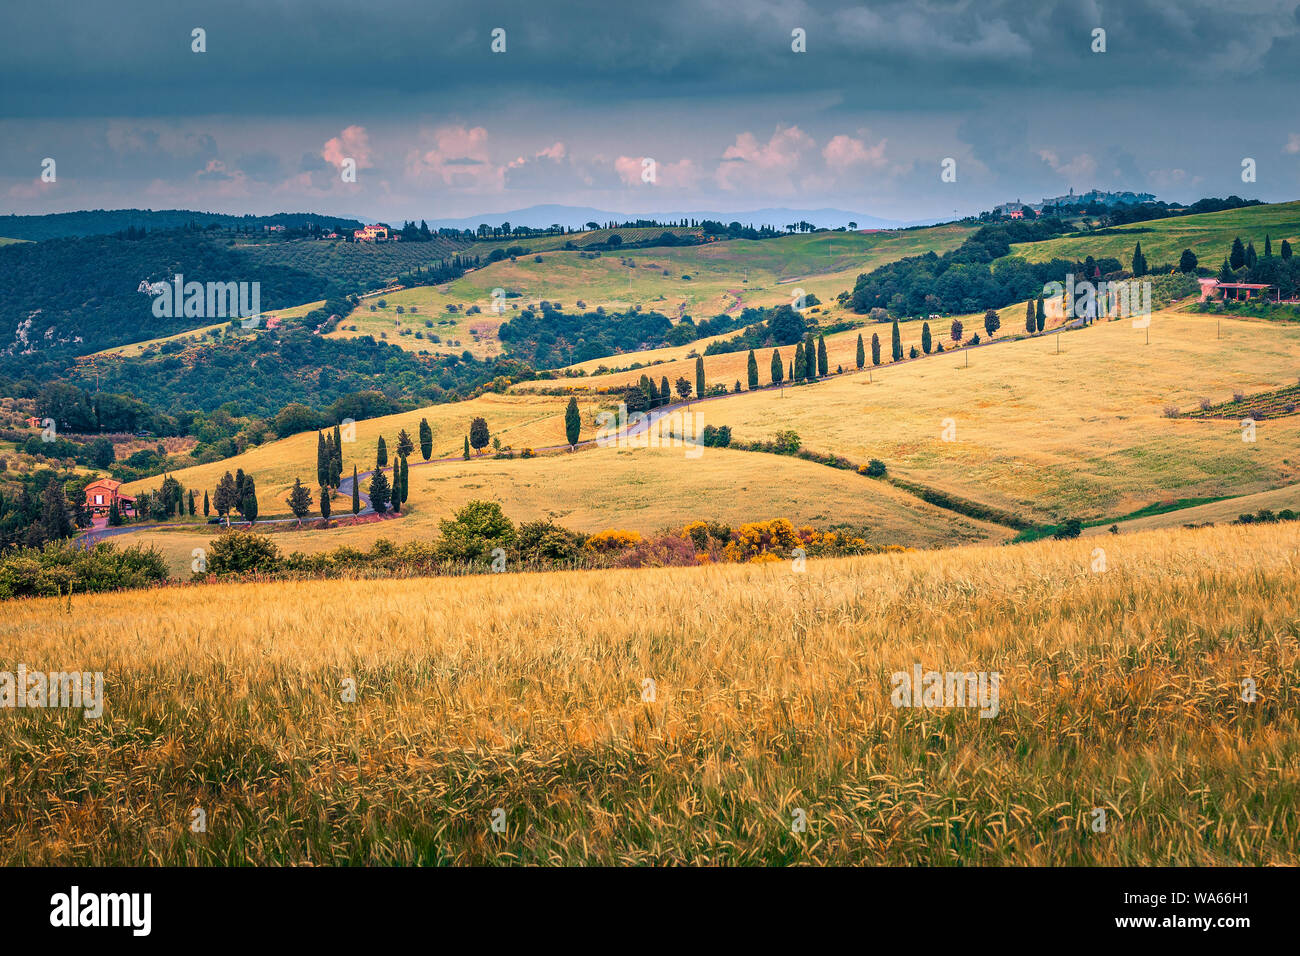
{"points": [[376, 233], [1237, 291], [101, 494]]}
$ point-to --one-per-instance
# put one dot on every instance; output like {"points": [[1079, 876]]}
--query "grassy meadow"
{"points": [[1080, 433], [1208, 234], [1120, 690], [637, 489], [724, 277]]}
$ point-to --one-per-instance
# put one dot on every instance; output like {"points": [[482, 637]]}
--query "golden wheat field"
{"points": [[1120, 689]]}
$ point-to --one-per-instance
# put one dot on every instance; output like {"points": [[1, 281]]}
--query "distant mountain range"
{"points": [[539, 217]]}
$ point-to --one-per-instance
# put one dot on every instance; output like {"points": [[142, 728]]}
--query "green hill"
{"points": [[1209, 235]]}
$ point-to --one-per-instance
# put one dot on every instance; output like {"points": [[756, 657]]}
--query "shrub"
{"points": [[873, 469], [786, 442], [62, 567], [475, 532], [237, 551], [605, 542], [1070, 528]]}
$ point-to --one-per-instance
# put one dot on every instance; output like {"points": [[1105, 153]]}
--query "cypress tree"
{"points": [[467, 448], [426, 439], [875, 349], [322, 462], [1268, 247], [778, 370], [249, 509], [356, 493], [665, 393], [573, 419], [1139, 261], [381, 456], [406, 480], [823, 367], [1237, 258], [325, 503], [338, 456], [207, 507], [1251, 257], [809, 358], [699, 376], [800, 366], [862, 355], [896, 347], [1031, 322], [1040, 314], [925, 338], [751, 370], [1285, 250]]}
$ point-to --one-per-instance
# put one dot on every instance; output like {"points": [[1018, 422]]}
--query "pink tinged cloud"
{"points": [[353, 143], [843, 152]]}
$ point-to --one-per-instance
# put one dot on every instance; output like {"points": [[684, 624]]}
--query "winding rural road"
{"points": [[629, 430]]}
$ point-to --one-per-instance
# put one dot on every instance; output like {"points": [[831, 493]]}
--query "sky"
{"points": [[438, 125]]}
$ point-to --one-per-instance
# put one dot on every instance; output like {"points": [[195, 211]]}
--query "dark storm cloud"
{"points": [[92, 58]]}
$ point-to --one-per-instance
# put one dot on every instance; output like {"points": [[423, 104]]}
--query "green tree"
{"points": [[684, 388], [325, 503], [479, 436], [751, 370], [699, 376], [381, 454], [299, 500], [992, 322], [114, 515], [356, 493], [573, 420], [800, 364], [926, 344], [809, 358], [875, 349], [861, 356], [1187, 261], [1251, 257], [1237, 258], [1040, 314], [475, 532], [1225, 272], [406, 481], [1285, 250], [379, 491], [1139, 261], [322, 461], [226, 498], [207, 506], [1031, 322], [249, 506], [426, 439], [896, 345], [823, 366], [336, 458], [467, 448], [778, 369], [404, 444], [665, 393]]}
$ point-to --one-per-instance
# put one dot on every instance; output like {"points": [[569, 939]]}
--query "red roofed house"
{"points": [[101, 494], [1238, 290], [371, 234]]}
